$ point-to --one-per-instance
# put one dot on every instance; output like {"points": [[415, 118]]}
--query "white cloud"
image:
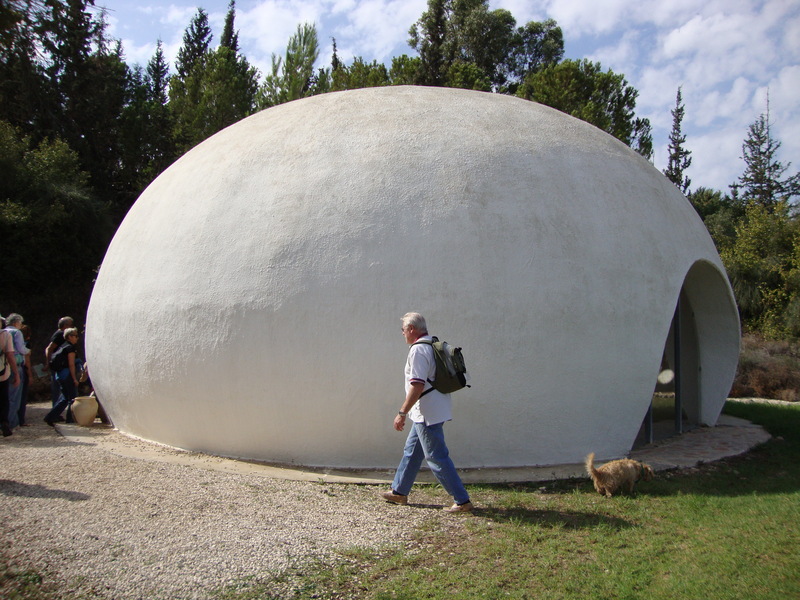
{"points": [[788, 134], [179, 16], [373, 28], [668, 14], [522, 10], [716, 158], [784, 91], [784, 113], [657, 88], [725, 44], [716, 106], [790, 38], [138, 54], [579, 17], [623, 52], [723, 31], [342, 6], [379, 28], [266, 27]]}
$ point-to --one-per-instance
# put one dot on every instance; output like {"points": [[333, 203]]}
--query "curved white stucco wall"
{"points": [[249, 304]]}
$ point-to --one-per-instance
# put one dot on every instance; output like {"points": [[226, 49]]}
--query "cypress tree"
{"points": [[679, 157], [230, 38], [196, 43]]}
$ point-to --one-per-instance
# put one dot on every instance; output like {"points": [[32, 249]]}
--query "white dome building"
{"points": [[249, 305]]}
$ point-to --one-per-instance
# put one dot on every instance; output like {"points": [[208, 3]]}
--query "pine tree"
{"points": [[161, 147], [404, 70], [158, 76], [12, 13], [212, 89], [88, 79], [359, 74], [26, 99], [762, 182], [679, 157], [335, 62], [292, 75], [427, 36], [196, 43], [230, 38]]}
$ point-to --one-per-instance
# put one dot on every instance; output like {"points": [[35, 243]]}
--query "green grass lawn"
{"points": [[730, 529]]}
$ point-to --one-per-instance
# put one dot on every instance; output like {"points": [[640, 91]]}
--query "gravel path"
{"points": [[98, 525]]}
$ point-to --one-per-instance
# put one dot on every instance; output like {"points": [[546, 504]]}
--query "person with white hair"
{"points": [[428, 410], [9, 375], [22, 358]]}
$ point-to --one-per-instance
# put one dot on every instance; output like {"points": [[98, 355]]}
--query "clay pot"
{"points": [[84, 410]]}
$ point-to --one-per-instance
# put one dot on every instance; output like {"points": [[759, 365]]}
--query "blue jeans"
{"points": [[23, 402], [427, 441], [55, 390], [4, 406], [14, 400], [68, 393]]}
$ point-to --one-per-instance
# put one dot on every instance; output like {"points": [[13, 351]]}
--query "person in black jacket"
{"points": [[65, 366]]}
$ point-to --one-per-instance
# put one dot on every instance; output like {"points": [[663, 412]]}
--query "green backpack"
{"points": [[451, 371]]}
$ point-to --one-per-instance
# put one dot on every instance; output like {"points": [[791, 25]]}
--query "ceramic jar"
{"points": [[84, 410]]}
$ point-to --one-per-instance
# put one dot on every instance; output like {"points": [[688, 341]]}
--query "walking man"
{"points": [[428, 410]]}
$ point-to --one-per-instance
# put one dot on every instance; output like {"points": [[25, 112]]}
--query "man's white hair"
{"points": [[417, 320]]}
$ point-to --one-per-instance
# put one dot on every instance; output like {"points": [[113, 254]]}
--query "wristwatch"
{"points": [[401, 413]]}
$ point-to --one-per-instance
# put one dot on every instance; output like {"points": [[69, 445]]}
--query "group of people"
{"points": [[16, 372]]}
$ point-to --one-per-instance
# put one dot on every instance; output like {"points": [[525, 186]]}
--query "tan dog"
{"points": [[617, 475]]}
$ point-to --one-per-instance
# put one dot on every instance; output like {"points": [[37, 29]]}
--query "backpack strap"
{"points": [[429, 343], [430, 389]]}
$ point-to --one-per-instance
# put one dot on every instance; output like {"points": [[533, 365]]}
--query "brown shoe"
{"points": [[390, 496], [457, 508]]}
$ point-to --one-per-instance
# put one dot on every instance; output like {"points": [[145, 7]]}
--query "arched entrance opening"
{"points": [[674, 408], [690, 388]]}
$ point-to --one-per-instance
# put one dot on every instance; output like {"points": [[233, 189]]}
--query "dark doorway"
{"points": [[675, 405]]}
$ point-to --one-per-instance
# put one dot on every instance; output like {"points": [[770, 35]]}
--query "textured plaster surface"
{"points": [[249, 304]]}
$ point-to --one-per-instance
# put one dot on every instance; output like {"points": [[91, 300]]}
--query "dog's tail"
{"points": [[590, 465]]}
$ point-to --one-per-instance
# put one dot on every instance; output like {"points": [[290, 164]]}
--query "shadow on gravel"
{"points": [[26, 490]]}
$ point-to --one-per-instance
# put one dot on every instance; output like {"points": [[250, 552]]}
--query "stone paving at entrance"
{"points": [[730, 437]]}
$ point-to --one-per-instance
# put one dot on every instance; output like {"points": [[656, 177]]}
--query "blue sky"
{"points": [[726, 54]]}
